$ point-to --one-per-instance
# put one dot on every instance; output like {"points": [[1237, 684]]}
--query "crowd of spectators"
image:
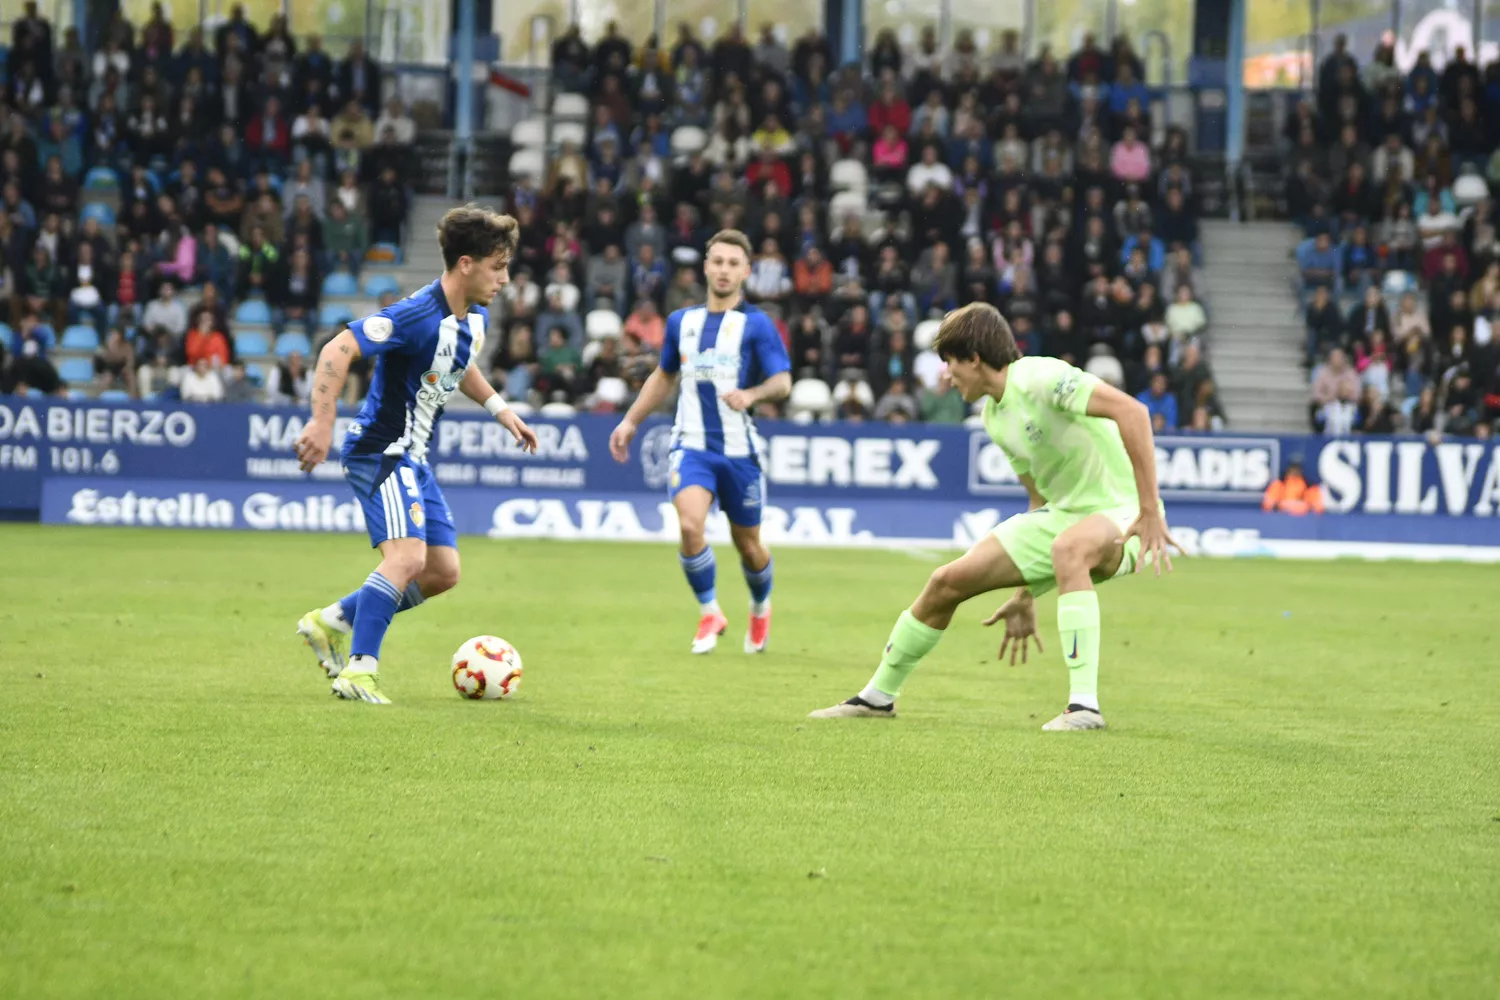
{"points": [[1030, 185], [1391, 177], [150, 187]]}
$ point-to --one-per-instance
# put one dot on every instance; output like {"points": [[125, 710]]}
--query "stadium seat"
{"points": [[1107, 368], [340, 283], [570, 108], [79, 337], [529, 134], [292, 343], [333, 314], [253, 311], [926, 334], [256, 373], [377, 285], [522, 409], [45, 335], [1398, 283], [251, 343], [611, 390], [687, 140], [7, 336], [76, 394], [32, 392], [114, 396], [75, 369], [101, 180], [849, 175], [810, 398], [573, 132], [860, 390], [98, 210], [601, 324], [528, 163], [845, 204], [384, 253], [1469, 188], [558, 411]]}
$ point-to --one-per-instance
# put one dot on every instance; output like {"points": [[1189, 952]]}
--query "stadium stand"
{"points": [[1389, 180]]}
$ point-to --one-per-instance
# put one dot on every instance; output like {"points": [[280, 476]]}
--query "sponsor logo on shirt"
{"points": [[1063, 392]]}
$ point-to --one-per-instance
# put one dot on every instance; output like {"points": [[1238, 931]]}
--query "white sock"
{"points": [[362, 665], [711, 608], [876, 697], [333, 617], [759, 608], [1086, 700]]}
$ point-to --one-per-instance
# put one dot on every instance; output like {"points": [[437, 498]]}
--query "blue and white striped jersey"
{"points": [[716, 353], [421, 351]]}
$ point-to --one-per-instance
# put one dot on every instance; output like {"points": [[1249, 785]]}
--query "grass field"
{"points": [[1299, 794]]}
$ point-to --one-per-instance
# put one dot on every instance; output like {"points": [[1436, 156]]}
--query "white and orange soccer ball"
{"points": [[486, 667]]}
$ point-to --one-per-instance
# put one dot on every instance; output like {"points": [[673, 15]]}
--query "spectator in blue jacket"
{"points": [[1161, 404]]}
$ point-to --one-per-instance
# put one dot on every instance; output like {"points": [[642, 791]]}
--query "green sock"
{"points": [[910, 641], [1078, 623]]}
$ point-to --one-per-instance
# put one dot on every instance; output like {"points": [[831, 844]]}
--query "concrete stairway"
{"points": [[1256, 335]]}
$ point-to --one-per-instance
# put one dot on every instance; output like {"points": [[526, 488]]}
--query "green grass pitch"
{"points": [[1299, 794]]}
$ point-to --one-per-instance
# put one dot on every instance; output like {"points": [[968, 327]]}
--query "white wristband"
{"points": [[496, 405]]}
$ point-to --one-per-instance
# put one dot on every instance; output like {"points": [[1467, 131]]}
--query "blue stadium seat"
{"points": [[101, 180], [46, 335], [384, 253], [249, 343], [79, 337], [334, 314], [76, 394], [34, 393], [253, 311], [256, 374], [114, 396], [7, 336], [340, 283], [377, 285], [75, 370], [98, 210], [292, 343]]}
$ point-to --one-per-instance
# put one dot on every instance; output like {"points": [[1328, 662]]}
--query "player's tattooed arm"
{"points": [[328, 384]]}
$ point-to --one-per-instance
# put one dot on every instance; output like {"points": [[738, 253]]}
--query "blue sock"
{"points": [[699, 570], [410, 598], [378, 600], [759, 582]]}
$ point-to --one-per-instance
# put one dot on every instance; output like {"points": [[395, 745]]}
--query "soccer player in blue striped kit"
{"points": [[728, 356], [424, 347]]}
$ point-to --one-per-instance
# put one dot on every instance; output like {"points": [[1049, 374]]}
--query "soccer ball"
{"points": [[486, 667]]}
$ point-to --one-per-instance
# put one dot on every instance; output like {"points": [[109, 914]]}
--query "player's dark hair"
{"points": [[733, 237], [977, 331], [478, 233]]}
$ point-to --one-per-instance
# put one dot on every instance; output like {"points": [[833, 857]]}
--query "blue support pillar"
{"points": [[459, 185], [80, 20], [1235, 88], [851, 33]]}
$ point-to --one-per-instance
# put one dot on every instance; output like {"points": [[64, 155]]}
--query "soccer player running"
{"points": [[424, 347], [1084, 452], [729, 357]]}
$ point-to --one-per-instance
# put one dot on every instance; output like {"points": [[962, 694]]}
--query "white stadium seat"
{"points": [[601, 324], [558, 411], [1107, 367], [810, 398], [845, 204], [612, 391], [529, 134], [687, 140], [848, 175], [522, 409], [528, 163], [860, 390], [574, 132], [570, 108]]}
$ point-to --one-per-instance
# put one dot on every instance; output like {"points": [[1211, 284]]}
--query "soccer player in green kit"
{"points": [[1083, 450]]}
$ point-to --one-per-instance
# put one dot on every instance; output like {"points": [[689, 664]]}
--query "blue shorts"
{"points": [[737, 483], [401, 499]]}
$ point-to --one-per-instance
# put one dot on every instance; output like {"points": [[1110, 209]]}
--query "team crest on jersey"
{"points": [[417, 516], [1063, 391], [378, 329], [1033, 433]]}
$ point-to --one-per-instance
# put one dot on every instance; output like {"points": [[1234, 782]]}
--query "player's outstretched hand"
{"points": [[739, 400], [313, 444], [1019, 615], [525, 436], [1151, 528], [619, 441]]}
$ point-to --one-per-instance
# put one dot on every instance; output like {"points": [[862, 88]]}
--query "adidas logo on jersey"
{"points": [[444, 351]]}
